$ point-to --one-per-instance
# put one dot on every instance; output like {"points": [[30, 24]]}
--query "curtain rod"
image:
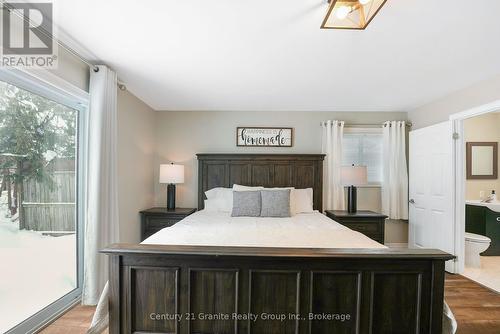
{"points": [[93, 67], [354, 125]]}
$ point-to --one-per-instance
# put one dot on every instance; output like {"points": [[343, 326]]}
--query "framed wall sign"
{"points": [[264, 136]]}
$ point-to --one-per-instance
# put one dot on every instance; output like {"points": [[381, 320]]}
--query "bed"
{"points": [[214, 274], [304, 230]]}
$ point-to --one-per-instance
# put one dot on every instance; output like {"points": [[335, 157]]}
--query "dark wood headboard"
{"points": [[268, 170]]}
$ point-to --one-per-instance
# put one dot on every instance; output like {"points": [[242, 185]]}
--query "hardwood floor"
{"points": [[75, 321], [477, 310]]}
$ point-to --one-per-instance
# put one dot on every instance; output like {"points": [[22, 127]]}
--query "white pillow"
{"points": [[301, 201], [220, 198], [209, 205], [216, 205], [216, 192], [238, 187]]}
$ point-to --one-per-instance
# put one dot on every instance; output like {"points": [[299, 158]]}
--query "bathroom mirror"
{"points": [[482, 160]]}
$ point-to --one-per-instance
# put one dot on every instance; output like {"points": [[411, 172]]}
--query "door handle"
{"points": [[411, 201]]}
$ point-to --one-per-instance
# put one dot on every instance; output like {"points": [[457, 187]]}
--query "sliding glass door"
{"points": [[40, 201]]}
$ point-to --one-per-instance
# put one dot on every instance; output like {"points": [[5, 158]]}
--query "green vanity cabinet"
{"points": [[475, 218], [493, 232], [483, 221]]}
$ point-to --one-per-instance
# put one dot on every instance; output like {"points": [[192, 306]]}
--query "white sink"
{"points": [[493, 206]]}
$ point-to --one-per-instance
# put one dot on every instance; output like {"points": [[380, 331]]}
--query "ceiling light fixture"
{"points": [[342, 12], [351, 14]]}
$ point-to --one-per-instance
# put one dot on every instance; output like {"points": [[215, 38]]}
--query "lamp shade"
{"points": [[354, 175], [351, 14], [171, 173]]}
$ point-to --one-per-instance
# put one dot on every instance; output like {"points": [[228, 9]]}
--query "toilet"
{"points": [[474, 245]]}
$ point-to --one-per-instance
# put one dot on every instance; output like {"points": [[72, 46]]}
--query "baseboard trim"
{"points": [[397, 244], [56, 316]]}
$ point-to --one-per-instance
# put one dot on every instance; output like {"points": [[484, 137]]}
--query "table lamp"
{"points": [[353, 176], [172, 175]]}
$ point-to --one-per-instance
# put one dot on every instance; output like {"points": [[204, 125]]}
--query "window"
{"points": [[40, 208], [363, 147]]}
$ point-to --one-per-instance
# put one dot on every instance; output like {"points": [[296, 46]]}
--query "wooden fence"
{"points": [[51, 210]]}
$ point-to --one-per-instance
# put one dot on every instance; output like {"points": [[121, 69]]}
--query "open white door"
{"points": [[432, 189]]}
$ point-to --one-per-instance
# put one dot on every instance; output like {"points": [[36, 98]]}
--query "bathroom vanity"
{"points": [[484, 219]]}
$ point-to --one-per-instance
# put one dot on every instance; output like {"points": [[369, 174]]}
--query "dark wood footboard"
{"points": [[222, 290]]}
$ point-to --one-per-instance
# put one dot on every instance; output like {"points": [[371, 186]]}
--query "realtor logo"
{"points": [[27, 35]]}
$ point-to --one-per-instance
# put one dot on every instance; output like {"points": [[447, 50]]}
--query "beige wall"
{"points": [[136, 156], [478, 129], [180, 135], [438, 111]]}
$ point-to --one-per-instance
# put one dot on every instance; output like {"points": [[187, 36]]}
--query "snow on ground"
{"points": [[35, 270]]}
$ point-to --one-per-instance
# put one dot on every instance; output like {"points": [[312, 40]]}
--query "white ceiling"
{"points": [[271, 55]]}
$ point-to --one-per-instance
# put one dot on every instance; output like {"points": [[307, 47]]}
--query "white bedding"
{"points": [[306, 230]]}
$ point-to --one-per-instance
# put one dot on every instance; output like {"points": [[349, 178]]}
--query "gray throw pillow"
{"points": [[275, 203], [246, 204]]}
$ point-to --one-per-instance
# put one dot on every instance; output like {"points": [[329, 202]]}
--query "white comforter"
{"points": [[307, 230]]}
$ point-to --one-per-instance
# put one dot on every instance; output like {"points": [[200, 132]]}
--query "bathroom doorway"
{"points": [[481, 184]]}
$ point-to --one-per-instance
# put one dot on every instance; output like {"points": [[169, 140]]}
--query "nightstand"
{"points": [[369, 223], [154, 219]]}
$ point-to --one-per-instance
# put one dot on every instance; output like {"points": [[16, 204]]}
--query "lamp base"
{"points": [[171, 197], [352, 199]]}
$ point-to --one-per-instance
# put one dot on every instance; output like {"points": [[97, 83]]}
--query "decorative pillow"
{"points": [[275, 203], [221, 198], [301, 201], [238, 187], [246, 204]]}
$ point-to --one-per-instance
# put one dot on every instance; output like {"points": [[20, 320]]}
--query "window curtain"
{"points": [[101, 227], [333, 190], [395, 183]]}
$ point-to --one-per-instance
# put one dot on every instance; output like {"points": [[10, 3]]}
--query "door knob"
{"points": [[412, 201]]}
